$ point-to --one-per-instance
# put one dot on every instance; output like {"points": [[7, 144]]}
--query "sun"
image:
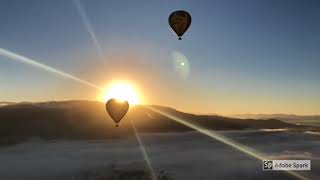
{"points": [[120, 91]]}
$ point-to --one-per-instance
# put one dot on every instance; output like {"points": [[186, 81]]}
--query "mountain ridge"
{"points": [[81, 119]]}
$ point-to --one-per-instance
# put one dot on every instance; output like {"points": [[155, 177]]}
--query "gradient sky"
{"points": [[244, 56]]}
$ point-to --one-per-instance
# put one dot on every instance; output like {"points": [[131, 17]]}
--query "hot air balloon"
{"points": [[117, 109], [179, 22]]}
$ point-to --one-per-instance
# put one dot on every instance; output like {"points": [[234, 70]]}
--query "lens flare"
{"points": [[181, 64], [144, 152], [88, 26], [32, 62]]}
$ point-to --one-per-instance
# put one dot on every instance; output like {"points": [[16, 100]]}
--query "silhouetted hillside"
{"points": [[89, 120]]}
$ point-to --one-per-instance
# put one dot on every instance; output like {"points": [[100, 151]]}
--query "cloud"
{"points": [[181, 155]]}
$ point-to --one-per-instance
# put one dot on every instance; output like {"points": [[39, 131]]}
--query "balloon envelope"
{"points": [[117, 109], [179, 22]]}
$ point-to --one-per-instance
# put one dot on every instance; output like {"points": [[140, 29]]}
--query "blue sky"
{"points": [[245, 56]]}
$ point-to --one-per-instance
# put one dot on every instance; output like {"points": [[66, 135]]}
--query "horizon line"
{"points": [[177, 109]]}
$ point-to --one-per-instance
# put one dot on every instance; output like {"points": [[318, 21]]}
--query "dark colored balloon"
{"points": [[179, 21], [117, 109]]}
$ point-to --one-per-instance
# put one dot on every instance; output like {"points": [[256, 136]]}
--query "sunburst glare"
{"points": [[120, 91]]}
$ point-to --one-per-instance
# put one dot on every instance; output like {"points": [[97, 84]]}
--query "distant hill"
{"points": [[277, 116], [89, 120]]}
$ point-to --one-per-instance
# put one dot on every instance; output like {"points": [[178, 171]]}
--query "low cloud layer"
{"points": [[181, 155]]}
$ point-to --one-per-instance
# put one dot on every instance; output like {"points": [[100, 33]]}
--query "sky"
{"points": [[238, 56]]}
